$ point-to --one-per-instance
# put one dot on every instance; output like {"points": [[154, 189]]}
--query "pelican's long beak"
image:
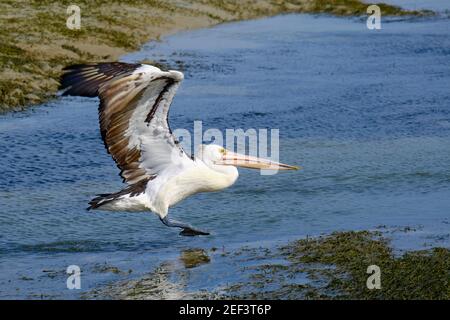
{"points": [[244, 161]]}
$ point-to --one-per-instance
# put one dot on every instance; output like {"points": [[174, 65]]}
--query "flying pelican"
{"points": [[133, 115]]}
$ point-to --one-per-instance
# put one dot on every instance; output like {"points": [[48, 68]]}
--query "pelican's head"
{"points": [[216, 156]]}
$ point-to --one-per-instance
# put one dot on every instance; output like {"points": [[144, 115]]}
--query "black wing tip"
{"points": [[74, 82], [96, 202], [111, 66], [78, 66], [83, 79]]}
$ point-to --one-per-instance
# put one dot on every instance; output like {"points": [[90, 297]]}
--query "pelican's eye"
{"points": [[223, 151]]}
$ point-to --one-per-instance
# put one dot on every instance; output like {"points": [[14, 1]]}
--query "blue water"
{"points": [[435, 5], [366, 113]]}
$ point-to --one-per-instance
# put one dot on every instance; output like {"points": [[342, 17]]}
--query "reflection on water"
{"points": [[365, 113]]}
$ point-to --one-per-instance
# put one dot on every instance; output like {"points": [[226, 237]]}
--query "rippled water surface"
{"points": [[366, 113], [435, 5]]}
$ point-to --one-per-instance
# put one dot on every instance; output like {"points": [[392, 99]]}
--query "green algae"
{"points": [[327, 267], [192, 258], [106, 268], [336, 267]]}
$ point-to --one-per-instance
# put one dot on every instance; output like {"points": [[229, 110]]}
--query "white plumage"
{"points": [[134, 107]]}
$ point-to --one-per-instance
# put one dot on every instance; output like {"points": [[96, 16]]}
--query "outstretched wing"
{"points": [[133, 112]]}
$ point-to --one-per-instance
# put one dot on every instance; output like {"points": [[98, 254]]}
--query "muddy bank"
{"points": [[327, 267], [35, 43]]}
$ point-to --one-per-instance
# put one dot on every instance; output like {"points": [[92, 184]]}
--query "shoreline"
{"points": [[331, 266], [36, 44]]}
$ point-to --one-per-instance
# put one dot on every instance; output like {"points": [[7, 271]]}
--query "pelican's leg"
{"points": [[188, 230]]}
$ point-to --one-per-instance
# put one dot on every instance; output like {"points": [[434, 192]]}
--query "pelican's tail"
{"points": [[100, 200], [132, 198]]}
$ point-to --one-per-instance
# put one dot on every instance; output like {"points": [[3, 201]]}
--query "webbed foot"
{"points": [[188, 230]]}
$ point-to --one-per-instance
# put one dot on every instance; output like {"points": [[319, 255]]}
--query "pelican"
{"points": [[133, 116]]}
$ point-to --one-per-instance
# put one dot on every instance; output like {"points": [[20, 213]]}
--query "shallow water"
{"points": [[366, 113], [435, 5]]}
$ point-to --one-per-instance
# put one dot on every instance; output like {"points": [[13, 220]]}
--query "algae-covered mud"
{"points": [[35, 43], [364, 112], [326, 267]]}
